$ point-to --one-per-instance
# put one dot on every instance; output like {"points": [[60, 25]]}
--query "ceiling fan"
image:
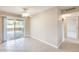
{"points": [[25, 13]]}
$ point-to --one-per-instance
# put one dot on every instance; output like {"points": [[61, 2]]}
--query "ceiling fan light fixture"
{"points": [[26, 14]]}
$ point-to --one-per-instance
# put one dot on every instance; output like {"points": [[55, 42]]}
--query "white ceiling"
{"points": [[31, 9], [70, 14], [19, 9]]}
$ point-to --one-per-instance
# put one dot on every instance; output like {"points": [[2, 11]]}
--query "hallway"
{"points": [[32, 45]]}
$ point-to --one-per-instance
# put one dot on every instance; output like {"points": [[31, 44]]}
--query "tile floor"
{"points": [[32, 45]]}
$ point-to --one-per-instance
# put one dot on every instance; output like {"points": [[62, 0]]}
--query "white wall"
{"points": [[44, 26], [60, 32]]}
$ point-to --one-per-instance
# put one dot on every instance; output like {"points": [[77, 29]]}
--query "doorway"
{"points": [[70, 26]]}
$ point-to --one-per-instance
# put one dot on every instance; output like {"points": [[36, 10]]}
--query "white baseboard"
{"points": [[60, 44], [44, 42]]}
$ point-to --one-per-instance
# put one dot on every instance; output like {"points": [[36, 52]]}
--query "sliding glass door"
{"points": [[13, 29], [18, 29]]}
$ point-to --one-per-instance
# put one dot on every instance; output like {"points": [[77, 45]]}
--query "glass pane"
{"points": [[71, 27], [19, 29], [10, 29]]}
